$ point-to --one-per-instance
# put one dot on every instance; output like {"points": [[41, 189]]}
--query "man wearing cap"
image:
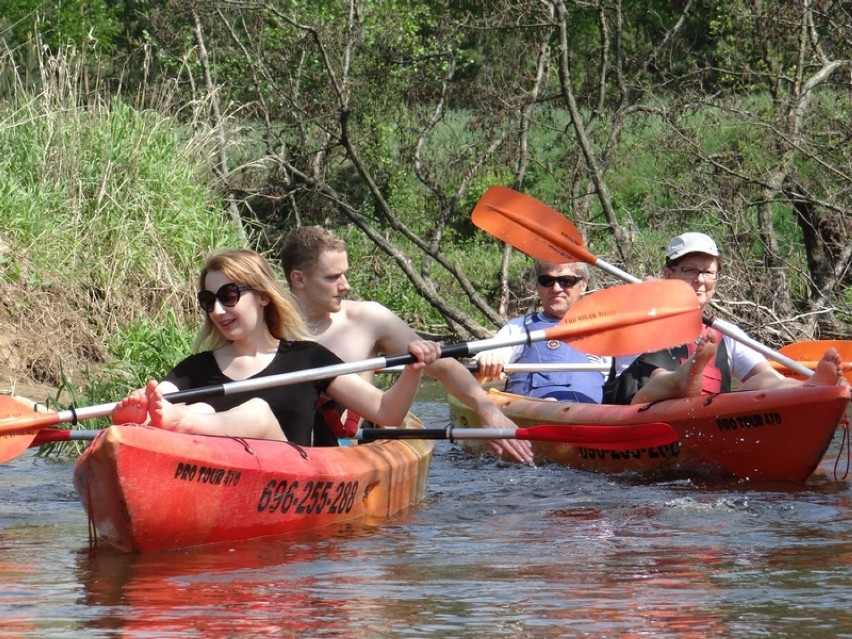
{"points": [[559, 286], [709, 364]]}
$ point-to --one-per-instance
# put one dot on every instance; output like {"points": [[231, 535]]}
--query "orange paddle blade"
{"points": [[809, 353], [632, 319], [530, 226], [13, 445]]}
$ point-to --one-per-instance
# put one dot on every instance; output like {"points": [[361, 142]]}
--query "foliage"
{"points": [[150, 348], [387, 119], [111, 200], [107, 211], [83, 24]]}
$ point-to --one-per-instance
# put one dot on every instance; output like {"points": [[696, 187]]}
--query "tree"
{"points": [[636, 119]]}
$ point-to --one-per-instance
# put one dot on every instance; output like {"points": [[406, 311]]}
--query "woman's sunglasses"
{"points": [[228, 295], [566, 281]]}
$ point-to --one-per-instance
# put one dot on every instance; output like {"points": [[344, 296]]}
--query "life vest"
{"points": [[716, 377], [331, 412], [562, 385]]}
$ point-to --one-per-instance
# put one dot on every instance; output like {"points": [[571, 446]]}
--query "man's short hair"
{"points": [[303, 246], [580, 268]]}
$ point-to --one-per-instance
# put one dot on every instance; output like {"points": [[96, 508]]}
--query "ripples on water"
{"points": [[495, 550]]}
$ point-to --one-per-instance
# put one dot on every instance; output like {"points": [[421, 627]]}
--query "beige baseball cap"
{"points": [[686, 243]]}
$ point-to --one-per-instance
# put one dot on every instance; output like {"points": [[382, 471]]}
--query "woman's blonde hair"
{"points": [[249, 268]]}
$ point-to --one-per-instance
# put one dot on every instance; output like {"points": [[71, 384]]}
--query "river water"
{"points": [[495, 550]]}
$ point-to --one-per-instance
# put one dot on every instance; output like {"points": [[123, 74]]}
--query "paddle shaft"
{"points": [[519, 367], [551, 367], [587, 435], [49, 435], [74, 415], [629, 437]]}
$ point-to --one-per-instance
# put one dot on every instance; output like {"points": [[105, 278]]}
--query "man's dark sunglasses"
{"points": [[228, 295], [566, 281]]}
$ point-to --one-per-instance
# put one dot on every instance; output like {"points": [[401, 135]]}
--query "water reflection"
{"points": [[495, 550], [259, 588]]}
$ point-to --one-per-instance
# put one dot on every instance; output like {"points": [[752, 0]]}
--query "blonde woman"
{"points": [[252, 328]]}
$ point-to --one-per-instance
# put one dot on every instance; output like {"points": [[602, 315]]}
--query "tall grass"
{"points": [[107, 198], [113, 209]]}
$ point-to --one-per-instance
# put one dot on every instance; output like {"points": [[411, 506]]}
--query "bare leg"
{"points": [[252, 419], [692, 371], [828, 371], [686, 381]]}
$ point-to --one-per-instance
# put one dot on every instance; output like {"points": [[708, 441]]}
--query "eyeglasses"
{"points": [[566, 281], [694, 273], [228, 295]]}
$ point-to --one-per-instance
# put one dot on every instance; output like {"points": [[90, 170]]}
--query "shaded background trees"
{"points": [[637, 120]]}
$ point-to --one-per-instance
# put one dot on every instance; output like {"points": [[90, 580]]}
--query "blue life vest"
{"points": [[561, 385]]}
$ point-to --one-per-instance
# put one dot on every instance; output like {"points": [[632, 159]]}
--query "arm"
{"points": [[491, 362], [394, 336], [390, 407], [459, 383]]}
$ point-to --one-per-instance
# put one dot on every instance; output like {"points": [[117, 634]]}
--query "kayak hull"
{"points": [[146, 489], [777, 435]]}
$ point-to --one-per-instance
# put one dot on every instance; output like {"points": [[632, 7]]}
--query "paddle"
{"points": [[629, 437], [809, 353], [518, 367], [619, 321], [542, 232]]}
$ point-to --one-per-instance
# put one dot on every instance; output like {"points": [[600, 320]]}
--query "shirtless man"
{"points": [[315, 263]]}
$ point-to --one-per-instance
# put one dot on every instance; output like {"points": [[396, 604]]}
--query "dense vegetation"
{"points": [[142, 135]]}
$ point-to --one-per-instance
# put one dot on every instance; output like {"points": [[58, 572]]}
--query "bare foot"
{"points": [[691, 373], [828, 371], [133, 409], [163, 414]]}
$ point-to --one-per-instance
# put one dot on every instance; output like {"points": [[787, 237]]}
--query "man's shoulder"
{"points": [[364, 329], [387, 329], [357, 309]]}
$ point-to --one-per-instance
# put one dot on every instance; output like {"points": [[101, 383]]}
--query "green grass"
{"points": [[114, 209]]}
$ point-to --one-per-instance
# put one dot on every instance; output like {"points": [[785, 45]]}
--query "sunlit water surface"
{"points": [[495, 550]]}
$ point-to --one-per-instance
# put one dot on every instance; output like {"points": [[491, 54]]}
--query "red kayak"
{"points": [[146, 489], [778, 435]]}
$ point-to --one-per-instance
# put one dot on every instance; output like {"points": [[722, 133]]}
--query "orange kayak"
{"points": [[146, 489], [778, 435]]}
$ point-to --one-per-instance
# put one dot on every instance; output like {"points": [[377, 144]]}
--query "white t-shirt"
{"points": [[741, 358]]}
